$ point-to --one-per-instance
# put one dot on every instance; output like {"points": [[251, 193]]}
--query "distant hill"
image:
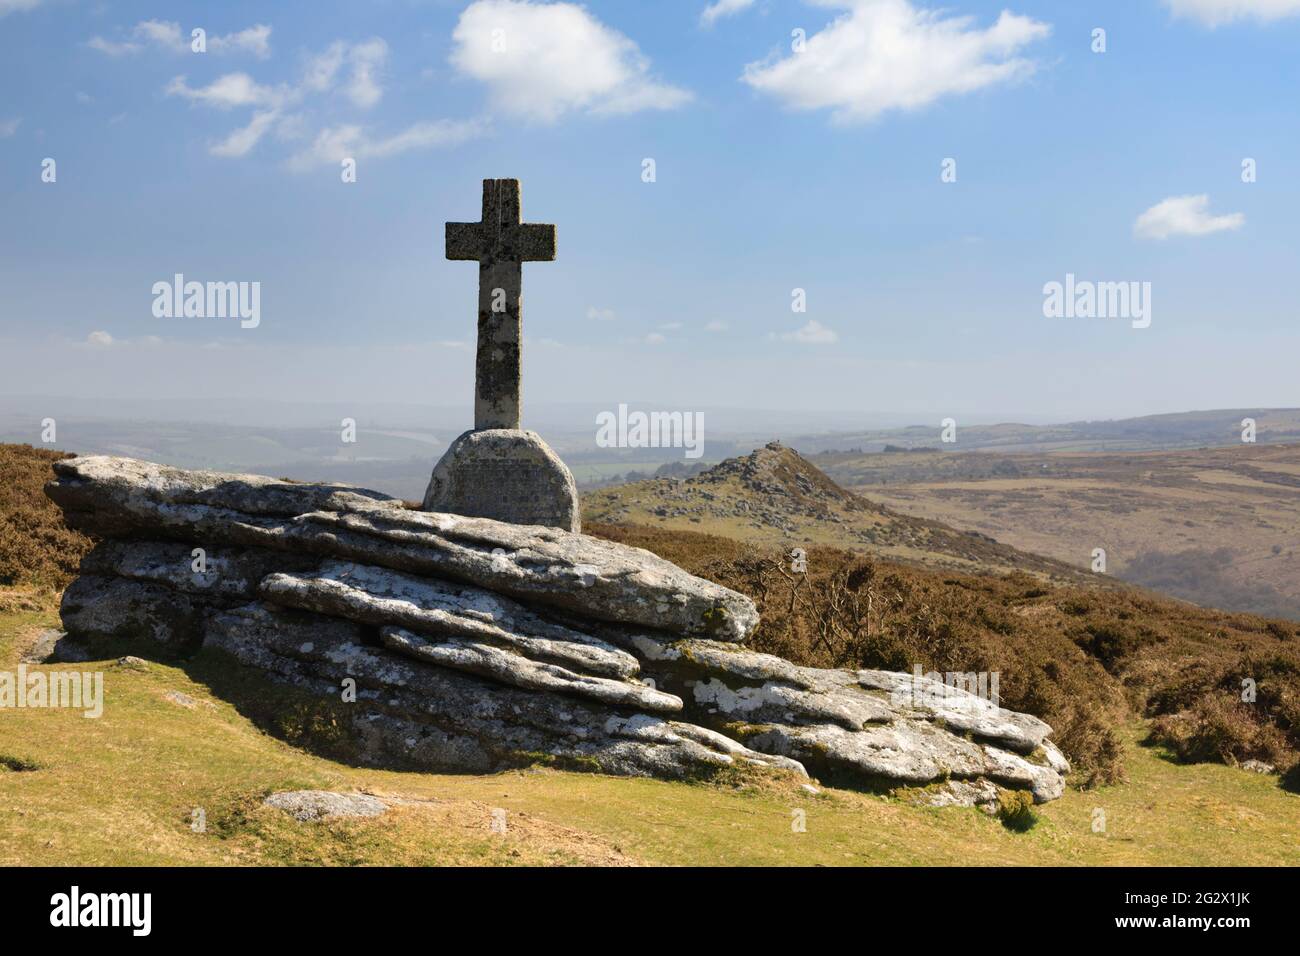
{"points": [[775, 496], [1217, 526], [1145, 433]]}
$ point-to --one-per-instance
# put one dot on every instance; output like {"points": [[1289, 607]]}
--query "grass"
{"points": [[122, 789]]}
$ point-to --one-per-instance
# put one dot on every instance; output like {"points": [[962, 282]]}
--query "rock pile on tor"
{"points": [[475, 644]]}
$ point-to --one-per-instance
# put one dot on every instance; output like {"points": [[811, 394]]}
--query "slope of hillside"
{"points": [[774, 496], [1216, 526]]}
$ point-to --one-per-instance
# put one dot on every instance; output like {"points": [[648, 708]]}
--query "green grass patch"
{"points": [[10, 762]]}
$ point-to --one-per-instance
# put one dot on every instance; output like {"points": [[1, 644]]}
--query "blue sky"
{"points": [[775, 170]]}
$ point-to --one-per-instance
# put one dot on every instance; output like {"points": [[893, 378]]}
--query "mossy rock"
{"points": [[715, 620], [1016, 810]]}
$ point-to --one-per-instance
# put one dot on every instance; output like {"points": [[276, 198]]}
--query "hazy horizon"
{"points": [[242, 411]]}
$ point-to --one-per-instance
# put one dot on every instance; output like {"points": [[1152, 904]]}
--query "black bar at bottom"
{"points": [[333, 906]]}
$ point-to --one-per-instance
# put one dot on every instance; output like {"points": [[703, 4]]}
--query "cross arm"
{"points": [[464, 240], [535, 242]]}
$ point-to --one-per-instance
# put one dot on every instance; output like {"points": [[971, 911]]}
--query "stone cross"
{"points": [[501, 243], [497, 470]]}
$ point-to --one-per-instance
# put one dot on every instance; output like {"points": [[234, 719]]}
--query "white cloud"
{"points": [[255, 40], [723, 8], [229, 91], [345, 74], [163, 33], [1183, 216], [654, 338], [890, 55], [717, 325], [242, 140], [320, 75], [601, 315], [291, 127], [239, 90], [113, 48], [167, 35], [334, 144], [542, 60], [331, 146], [814, 333], [16, 6], [366, 59], [424, 136], [9, 127], [1214, 13], [99, 339], [322, 70]]}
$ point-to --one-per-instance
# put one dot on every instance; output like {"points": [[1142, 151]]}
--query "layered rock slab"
{"points": [[378, 596], [474, 643], [871, 726], [412, 714], [120, 497], [485, 660]]}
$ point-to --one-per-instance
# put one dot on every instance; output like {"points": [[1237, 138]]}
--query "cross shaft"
{"points": [[500, 242]]}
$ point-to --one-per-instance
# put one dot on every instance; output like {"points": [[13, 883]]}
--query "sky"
{"points": [[921, 173]]}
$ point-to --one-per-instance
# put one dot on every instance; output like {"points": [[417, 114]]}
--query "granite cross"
{"points": [[501, 244]]}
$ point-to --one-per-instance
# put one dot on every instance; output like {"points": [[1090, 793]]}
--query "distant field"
{"points": [[1218, 526]]}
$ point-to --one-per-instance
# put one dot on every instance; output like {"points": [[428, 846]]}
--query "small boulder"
{"points": [[305, 805], [42, 649], [1258, 766], [181, 699]]}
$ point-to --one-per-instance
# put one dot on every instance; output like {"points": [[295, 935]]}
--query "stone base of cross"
{"points": [[498, 470]]}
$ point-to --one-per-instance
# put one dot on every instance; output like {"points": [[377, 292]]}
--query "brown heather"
{"points": [[36, 547]]}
